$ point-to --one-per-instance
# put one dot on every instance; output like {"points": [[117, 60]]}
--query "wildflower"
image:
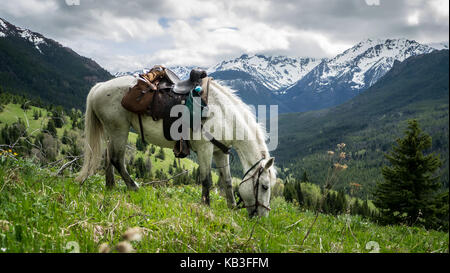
{"points": [[340, 167], [10, 151], [104, 248], [4, 225], [341, 146], [342, 155], [330, 153], [133, 234], [124, 247], [15, 154]]}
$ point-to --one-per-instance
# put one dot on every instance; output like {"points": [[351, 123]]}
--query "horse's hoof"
{"points": [[205, 200], [134, 187]]}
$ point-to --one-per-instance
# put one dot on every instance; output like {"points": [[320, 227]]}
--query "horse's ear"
{"points": [[269, 163]]}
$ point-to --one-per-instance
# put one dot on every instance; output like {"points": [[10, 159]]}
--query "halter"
{"points": [[257, 173]]}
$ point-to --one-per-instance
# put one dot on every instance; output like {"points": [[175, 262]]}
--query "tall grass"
{"points": [[40, 212]]}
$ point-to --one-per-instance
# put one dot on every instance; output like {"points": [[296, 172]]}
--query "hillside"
{"points": [[42, 68], [369, 124], [41, 212]]}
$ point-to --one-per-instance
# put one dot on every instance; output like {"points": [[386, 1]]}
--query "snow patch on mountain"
{"points": [[363, 64], [181, 71], [3, 28], [32, 37], [273, 72]]}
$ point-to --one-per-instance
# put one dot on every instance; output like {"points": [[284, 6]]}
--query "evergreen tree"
{"points": [[65, 138], [35, 115], [161, 155], [341, 202], [152, 149], [409, 188], [140, 146], [289, 191], [305, 177], [51, 128], [298, 193]]}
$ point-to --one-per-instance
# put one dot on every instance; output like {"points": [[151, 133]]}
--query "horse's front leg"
{"points": [[204, 154], [222, 162]]}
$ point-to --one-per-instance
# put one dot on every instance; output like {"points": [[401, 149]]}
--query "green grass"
{"points": [[12, 112], [40, 212]]}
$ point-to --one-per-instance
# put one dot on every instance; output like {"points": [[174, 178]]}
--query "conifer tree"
{"points": [[51, 128], [305, 177], [407, 193], [299, 193]]}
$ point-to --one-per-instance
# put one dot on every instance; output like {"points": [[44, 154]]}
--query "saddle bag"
{"points": [[138, 98]]}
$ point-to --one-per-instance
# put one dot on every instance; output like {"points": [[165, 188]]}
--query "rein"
{"points": [[258, 172]]}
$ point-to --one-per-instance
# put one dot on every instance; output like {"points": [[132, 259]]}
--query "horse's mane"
{"points": [[230, 93]]}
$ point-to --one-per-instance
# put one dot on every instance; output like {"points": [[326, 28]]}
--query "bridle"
{"points": [[256, 174]]}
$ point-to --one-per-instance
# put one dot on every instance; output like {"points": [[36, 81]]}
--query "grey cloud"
{"points": [[92, 27]]}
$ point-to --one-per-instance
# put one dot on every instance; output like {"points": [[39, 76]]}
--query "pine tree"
{"points": [[299, 193], [35, 115], [51, 128], [140, 145], [341, 205], [305, 177], [289, 191], [65, 138], [409, 187]]}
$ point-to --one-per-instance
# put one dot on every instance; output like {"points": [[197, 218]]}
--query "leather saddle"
{"points": [[156, 92]]}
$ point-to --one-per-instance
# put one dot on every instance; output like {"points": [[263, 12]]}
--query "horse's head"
{"points": [[255, 187]]}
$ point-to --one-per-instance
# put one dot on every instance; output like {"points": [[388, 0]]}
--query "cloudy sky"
{"points": [[129, 35]]}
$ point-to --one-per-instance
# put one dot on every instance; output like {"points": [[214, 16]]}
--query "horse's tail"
{"points": [[93, 130]]}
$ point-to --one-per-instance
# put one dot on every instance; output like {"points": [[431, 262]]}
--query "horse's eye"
{"points": [[265, 187]]}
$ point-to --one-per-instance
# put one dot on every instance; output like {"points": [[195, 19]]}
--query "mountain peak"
{"points": [[8, 29], [273, 72], [346, 75]]}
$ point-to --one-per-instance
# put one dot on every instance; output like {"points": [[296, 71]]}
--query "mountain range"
{"points": [[303, 84], [34, 65]]}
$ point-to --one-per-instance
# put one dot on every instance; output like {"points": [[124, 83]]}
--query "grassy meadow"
{"points": [[41, 212]]}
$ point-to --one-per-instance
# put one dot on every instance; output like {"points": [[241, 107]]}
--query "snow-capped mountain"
{"points": [[273, 72], [301, 84], [256, 78], [338, 79], [181, 71], [7, 29]]}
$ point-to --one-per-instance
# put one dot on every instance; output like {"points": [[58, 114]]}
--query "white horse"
{"points": [[106, 119]]}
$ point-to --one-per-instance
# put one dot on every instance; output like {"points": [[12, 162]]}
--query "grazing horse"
{"points": [[106, 119]]}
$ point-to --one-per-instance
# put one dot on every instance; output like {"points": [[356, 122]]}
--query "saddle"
{"points": [[156, 92]]}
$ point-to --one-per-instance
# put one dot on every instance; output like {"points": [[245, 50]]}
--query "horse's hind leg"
{"points": [[109, 172], [222, 163], [116, 151]]}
